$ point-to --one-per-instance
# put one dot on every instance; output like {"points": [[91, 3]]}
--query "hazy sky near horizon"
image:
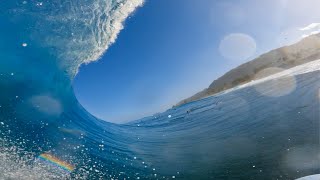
{"points": [[169, 50]]}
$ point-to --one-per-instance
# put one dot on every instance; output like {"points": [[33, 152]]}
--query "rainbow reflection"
{"points": [[56, 162]]}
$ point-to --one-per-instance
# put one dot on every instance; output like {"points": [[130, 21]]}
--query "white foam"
{"points": [[14, 165]]}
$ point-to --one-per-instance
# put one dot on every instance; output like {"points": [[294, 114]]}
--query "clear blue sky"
{"points": [[171, 49]]}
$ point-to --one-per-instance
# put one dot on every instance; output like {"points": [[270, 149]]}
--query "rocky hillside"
{"points": [[306, 50]]}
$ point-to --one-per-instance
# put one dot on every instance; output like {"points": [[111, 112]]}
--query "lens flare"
{"points": [[237, 46]]}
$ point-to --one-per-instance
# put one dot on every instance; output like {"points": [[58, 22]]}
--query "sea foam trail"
{"points": [[301, 69]]}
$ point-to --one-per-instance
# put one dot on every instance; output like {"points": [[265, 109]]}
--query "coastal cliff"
{"points": [[306, 50]]}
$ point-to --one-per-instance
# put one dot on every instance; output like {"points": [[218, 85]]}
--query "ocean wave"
{"points": [[256, 131]]}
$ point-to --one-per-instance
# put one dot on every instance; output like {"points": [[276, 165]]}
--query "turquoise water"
{"points": [[264, 130]]}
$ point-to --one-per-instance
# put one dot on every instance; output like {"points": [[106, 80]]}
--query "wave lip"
{"points": [[74, 31]]}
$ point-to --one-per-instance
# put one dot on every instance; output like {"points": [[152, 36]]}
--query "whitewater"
{"points": [[266, 129]]}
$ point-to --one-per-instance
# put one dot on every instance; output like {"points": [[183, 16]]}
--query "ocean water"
{"points": [[266, 129]]}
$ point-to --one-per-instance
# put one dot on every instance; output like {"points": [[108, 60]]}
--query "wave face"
{"points": [[267, 129]]}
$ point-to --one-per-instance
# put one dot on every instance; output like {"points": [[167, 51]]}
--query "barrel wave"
{"points": [[266, 129]]}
